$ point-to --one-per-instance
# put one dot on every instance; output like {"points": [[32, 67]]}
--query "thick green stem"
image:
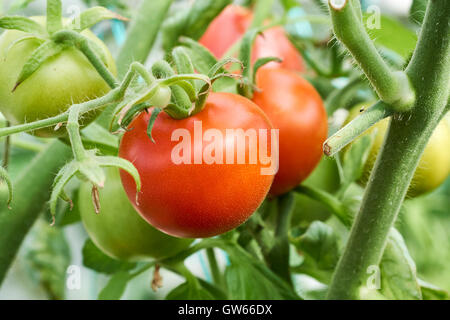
{"points": [[147, 23], [32, 189], [354, 129], [278, 256], [393, 88], [406, 139], [329, 200], [214, 267], [6, 150], [91, 105]]}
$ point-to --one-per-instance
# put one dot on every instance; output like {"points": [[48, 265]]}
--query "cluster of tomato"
{"points": [[181, 200]]}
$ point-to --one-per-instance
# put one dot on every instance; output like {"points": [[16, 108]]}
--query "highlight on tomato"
{"points": [[197, 185], [231, 25]]}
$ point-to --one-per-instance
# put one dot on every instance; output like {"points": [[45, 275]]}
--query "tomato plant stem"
{"points": [[32, 189], [327, 199], [406, 139], [142, 33], [6, 149], [392, 87], [214, 267], [358, 126], [82, 43], [278, 256]]}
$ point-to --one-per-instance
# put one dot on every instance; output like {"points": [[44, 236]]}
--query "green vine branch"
{"points": [[393, 87], [355, 128], [404, 144]]}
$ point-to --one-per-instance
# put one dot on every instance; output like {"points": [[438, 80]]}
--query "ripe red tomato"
{"points": [[296, 109], [232, 24], [197, 200]]}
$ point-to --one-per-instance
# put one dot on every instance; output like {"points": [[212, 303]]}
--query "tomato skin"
{"points": [[118, 230], [296, 109], [61, 81], [231, 25], [195, 200], [226, 29], [434, 165]]}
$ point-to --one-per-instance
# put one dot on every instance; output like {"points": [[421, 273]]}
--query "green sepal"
{"points": [[182, 61], [54, 16], [22, 24], [91, 17], [25, 38], [44, 52], [245, 56], [262, 62], [89, 169], [151, 122], [62, 178], [109, 161], [201, 57]]}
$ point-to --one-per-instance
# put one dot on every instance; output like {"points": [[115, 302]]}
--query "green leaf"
{"points": [[21, 23], [431, 292], [54, 16], [398, 270], [96, 260], [190, 291], [44, 52], [392, 35], [115, 287], [248, 278], [47, 257], [321, 244], [91, 17]]}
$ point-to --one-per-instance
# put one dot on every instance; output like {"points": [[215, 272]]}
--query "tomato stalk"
{"points": [[138, 44], [404, 144], [278, 256], [327, 199], [214, 267], [394, 88], [82, 43], [30, 195], [6, 150], [355, 128]]}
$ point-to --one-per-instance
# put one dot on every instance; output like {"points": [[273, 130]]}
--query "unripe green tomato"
{"points": [[434, 166], [118, 230], [63, 80]]}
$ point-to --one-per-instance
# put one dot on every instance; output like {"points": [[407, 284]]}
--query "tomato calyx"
{"points": [[249, 71], [58, 36], [180, 95]]}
